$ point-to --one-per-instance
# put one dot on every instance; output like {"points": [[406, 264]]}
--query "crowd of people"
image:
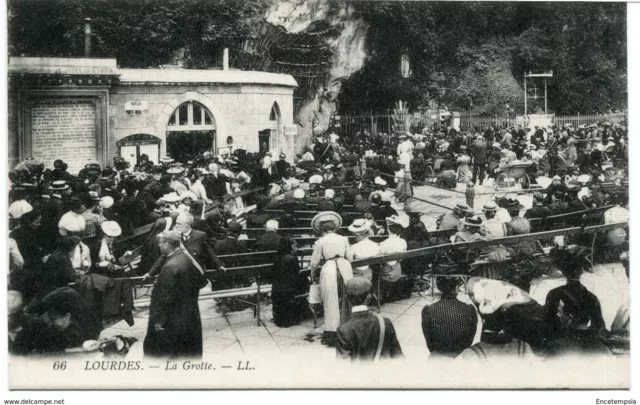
{"points": [[70, 269]]}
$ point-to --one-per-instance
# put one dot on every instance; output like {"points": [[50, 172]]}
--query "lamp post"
{"points": [[530, 75]]}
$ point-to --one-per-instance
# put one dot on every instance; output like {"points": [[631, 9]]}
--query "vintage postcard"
{"points": [[268, 194]]}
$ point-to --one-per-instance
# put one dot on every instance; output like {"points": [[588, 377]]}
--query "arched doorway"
{"points": [[191, 131], [132, 147]]}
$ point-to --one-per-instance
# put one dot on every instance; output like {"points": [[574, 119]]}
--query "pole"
{"points": [[87, 37], [526, 126], [406, 189], [545, 96]]}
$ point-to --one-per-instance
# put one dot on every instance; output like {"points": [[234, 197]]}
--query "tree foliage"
{"points": [[138, 33], [472, 56]]}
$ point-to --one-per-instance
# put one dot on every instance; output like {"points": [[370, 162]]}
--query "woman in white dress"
{"points": [[464, 174], [330, 264]]}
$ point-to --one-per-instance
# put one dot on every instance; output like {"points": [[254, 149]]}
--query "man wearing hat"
{"points": [[364, 247], [492, 226], [175, 329], [451, 220], [365, 336], [378, 210], [539, 210], [471, 231], [479, 155]]}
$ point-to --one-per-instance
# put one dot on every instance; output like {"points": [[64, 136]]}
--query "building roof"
{"points": [[63, 66], [161, 76], [108, 67]]}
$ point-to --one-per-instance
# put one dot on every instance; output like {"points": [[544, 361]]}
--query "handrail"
{"points": [[481, 243], [146, 228], [431, 249]]}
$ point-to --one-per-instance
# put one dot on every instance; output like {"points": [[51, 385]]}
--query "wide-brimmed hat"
{"points": [[326, 216], [111, 228], [167, 160], [59, 185], [463, 207], [472, 221], [490, 206], [175, 170], [299, 194], [584, 178], [171, 198], [106, 202], [510, 204], [400, 219], [315, 179], [380, 181], [360, 226]]}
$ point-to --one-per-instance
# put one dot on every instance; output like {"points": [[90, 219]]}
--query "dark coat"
{"points": [[268, 241], [174, 305], [287, 283], [201, 250], [479, 152], [449, 326], [358, 338]]}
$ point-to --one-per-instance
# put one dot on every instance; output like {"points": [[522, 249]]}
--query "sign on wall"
{"points": [[135, 107]]}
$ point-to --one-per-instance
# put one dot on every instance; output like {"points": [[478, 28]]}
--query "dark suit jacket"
{"points": [[201, 250], [358, 338], [174, 305], [479, 152], [268, 241]]}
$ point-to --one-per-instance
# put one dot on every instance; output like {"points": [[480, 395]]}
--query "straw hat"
{"points": [[326, 216], [59, 185], [111, 228], [360, 226], [474, 221]]}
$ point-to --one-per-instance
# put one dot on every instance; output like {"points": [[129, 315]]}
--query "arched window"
{"points": [[274, 118], [191, 131], [191, 116]]}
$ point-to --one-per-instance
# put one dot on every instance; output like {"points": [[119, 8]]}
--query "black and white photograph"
{"points": [[317, 194]]}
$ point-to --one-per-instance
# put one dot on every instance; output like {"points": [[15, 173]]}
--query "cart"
{"points": [[510, 175]]}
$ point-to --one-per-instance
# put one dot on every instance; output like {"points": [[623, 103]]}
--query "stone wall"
{"points": [[240, 111], [64, 130]]}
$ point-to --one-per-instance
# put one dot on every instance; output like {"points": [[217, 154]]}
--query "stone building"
{"points": [[82, 109]]}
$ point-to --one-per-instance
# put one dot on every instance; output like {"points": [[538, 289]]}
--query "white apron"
{"points": [[329, 290]]}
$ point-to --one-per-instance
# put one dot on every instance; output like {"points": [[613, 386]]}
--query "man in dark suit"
{"points": [[479, 152], [270, 240], [359, 337], [214, 184], [195, 242], [231, 245], [378, 210], [281, 166], [175, 329]]}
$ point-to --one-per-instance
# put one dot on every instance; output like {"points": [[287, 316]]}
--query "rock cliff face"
{"points": [[314, 114]]}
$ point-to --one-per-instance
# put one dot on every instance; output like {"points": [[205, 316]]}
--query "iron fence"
{"points": [[375, 124]]}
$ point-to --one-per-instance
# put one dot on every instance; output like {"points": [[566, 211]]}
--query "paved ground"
{"points": [[237, 332]]}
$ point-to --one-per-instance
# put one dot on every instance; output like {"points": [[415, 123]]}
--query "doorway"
{"points": [[189, 145], [264, 140]]}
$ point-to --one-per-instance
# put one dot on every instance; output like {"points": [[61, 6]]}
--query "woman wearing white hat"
{"points": [[330, 265], [364, 247], [104, 257]]}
